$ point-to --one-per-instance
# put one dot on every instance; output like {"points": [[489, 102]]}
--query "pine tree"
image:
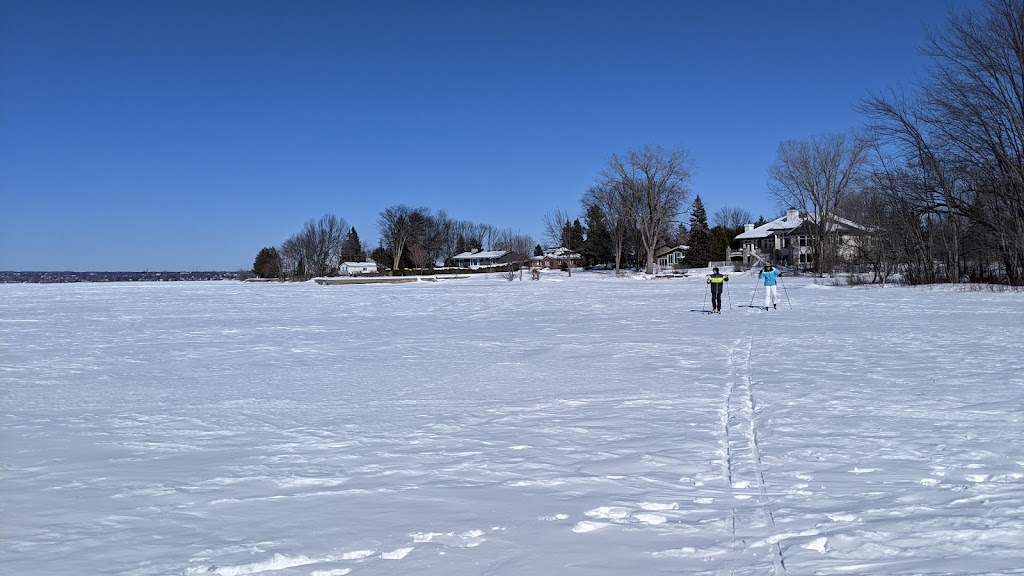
{"points": [[597, 248], [572, 238], [576, 235], [352, 248], [267, 264], [538, 251], [699, 253], [721, 238]]}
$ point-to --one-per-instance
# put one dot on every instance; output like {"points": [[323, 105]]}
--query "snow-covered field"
{"points": [[585, 425]]}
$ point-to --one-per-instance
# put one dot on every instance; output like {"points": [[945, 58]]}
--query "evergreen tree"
{"points": [[699, 253], [760, 221], [572, 235], [538, 251], [352, 248], [721, 239], [267, 264], [598, 246], [381, 257], [576, 235]]}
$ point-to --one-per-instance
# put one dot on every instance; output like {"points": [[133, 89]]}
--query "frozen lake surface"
{"points": [[585, 425]]}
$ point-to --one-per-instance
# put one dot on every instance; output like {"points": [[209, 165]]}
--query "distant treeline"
{"points": [[70, 277]]}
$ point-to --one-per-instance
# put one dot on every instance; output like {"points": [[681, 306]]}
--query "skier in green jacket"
{"points": [[717, 281]]}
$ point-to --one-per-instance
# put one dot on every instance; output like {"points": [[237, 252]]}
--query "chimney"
{"points": [[748, 227], [474, 250], [792, 214]]}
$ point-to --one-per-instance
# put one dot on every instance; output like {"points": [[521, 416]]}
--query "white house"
{"points": [[789, 240], [357, 268], [479, 259]]}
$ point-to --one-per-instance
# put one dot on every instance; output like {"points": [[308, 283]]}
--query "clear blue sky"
{"points": [[188, 134]]}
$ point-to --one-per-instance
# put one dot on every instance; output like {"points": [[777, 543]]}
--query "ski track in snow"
{"points": [[585, 426], [741, 459]]}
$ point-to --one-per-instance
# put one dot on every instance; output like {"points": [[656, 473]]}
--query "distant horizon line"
{"points": [[124, 271]]}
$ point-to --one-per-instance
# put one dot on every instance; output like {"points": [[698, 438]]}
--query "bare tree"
{"points": [[454, 241], [467, 235], [488, 235], [653, 184], [419, 256], [316, 249], [731, 218], [517, 247], [963, 140], [396, 228], [880, 249], [424, 238], [815, 176], [322, 241], [440, 237], [512, 241], [291, 257]]}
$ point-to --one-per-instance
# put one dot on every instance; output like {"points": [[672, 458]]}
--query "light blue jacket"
{"points": [[770, 277]]}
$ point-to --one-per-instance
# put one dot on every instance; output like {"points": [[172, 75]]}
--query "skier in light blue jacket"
{"points": [[771, 289]]}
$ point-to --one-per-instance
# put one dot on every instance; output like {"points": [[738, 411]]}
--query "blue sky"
{"points": [[187, 135]]}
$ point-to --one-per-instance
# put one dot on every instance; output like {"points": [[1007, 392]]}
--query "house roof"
{"points": [[790, 222], [560, 252], [670, 249], [841, 222], [481, 254], [783, 224]]}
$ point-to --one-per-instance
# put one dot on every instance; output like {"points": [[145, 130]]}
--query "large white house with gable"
{"points": [[789, 240]]}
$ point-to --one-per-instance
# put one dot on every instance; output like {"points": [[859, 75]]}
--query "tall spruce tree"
{"points": [[352, 248], [572, 235], [699, 253], [597, 248]]}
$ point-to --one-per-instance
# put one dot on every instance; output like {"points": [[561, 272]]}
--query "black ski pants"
{"points": [[716, 295]]}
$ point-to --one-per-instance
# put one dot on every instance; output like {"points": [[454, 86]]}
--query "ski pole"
{"points": [[703, 307], [786, 292], [729, 294], [754, 293]]}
